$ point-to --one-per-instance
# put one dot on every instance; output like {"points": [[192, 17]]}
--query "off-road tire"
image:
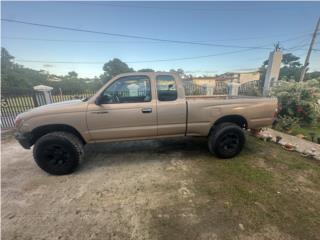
{"points": [[226, 140], [58, 153]]}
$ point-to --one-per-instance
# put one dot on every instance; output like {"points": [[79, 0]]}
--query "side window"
{"points": [[130, 89], [166, 88]]}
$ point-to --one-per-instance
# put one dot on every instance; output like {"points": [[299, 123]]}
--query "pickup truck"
{"points": [[133, 106]]}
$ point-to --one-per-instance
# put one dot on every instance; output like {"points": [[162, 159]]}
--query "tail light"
{"points": [[275, 113]]}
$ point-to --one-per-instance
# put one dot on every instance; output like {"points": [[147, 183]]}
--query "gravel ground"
{"points": [[115, 194], [130, 190]]}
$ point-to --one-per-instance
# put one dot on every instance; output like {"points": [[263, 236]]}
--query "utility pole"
{"points": [[273, 70], [306, 63]]}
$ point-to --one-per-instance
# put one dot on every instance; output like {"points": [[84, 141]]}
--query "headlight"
{"points": [[18, 122]]}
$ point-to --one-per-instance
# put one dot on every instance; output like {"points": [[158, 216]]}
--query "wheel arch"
{"points": [[236, 119], [38, 132]]}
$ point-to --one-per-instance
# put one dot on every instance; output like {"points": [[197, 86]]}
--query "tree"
{"points": [[113, 68], [146, 70], [292, 67], [313, 75], [17, 77], [290, 70], [6, 60], [179, 71], [288, 59], [72, 75]]}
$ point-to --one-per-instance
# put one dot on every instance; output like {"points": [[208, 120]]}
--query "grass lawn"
{"points": [[307, 130], [165, 189], [273, 193]]}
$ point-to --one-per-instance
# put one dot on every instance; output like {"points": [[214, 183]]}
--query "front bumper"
{"points": [[25, 139]]}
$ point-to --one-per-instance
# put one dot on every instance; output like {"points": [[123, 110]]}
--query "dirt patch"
{"points": [[166, 189]]}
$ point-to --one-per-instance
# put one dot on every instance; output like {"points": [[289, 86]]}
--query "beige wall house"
{"points": [[243, 77], [202, 81], [237, 77], [54, 78]]}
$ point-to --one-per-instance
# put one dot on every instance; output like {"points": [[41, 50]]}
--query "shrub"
{"points": [[286, 123], [298, 101]]}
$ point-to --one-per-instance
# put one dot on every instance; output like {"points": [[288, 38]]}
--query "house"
{"points": [[54, 78], [201, 81], [240, 76], [221, 80]]}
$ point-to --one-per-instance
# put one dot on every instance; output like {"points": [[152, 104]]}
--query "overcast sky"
{"points": [[241, 24]]}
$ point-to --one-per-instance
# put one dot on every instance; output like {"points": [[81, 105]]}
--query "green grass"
{"points": [[261, 189], [265, 187], [307, 130]]}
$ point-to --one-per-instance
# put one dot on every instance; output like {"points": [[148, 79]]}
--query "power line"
{"points": [[56, 62], [237, 9], [143, 42], [129, 36], [303, 41], [246, 48], [70, 40], [191, 58], [141, 61], [150, 7], [297, 47], [138, 61]]}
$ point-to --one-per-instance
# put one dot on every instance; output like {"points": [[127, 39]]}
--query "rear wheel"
{"points": [[58, 153], [226, 140]]}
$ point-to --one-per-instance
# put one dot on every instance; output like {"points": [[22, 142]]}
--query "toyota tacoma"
{"points": [[136, 106]]}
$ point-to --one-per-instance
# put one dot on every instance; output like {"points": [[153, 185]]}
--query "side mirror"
{"points": [[102, 99], [98, 100]]}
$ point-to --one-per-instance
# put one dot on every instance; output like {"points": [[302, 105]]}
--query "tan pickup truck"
{"points": [[137, 106]]}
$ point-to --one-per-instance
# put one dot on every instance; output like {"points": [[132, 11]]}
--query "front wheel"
{"points": [[58, 153], [226, 140]]}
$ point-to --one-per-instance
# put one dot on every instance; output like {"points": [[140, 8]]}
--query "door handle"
{"points": [[100, 112], [146, 110]]}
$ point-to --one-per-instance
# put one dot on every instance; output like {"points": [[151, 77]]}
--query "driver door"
{"points": [[126, 110]]}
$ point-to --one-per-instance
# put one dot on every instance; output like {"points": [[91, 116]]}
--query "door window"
{"points": [[130, 89], [166, 88]]}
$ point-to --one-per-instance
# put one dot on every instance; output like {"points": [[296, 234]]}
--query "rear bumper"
{"points": [[24, 139]]}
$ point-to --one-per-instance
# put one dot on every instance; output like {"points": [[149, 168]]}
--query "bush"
{"points": [[298, 101], [286, 123]]}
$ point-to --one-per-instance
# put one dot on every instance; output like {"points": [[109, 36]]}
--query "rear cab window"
{"points": [[166, 88]]}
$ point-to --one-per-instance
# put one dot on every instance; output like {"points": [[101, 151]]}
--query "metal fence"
{"points": [[13, 103], [60, 95], [203, 90], [252, 88], [16, 101]]}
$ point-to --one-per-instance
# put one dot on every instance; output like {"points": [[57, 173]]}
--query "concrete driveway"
{"points": [[166, 189]]}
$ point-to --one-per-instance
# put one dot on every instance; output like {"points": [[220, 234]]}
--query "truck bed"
{"points": [[203, 111], [224, 97]]}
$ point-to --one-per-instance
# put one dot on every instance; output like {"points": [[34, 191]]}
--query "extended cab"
{"points": [[138, 106]]}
